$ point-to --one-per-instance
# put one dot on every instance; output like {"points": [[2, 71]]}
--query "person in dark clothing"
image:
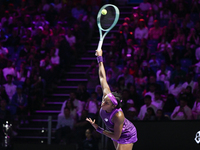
{"points": [[89, 143]]}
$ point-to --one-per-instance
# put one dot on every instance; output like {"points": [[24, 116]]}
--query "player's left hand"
{"points": [[92, 122]]}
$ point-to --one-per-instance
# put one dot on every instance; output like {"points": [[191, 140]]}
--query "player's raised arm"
{"points": [[102, 73]]}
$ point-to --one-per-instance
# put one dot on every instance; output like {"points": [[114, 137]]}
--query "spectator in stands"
{"points": [[150, 17], [134, 95], [77, 103], [70, 38], [64, 127], [121, 84], [4, 95], [57, 5], [181, 10], [73, 111], [127, 52], [196, 89], [99, 92], [196, 108], [19, 99], [164, 75], [156, 5], [182, 112], [193, 38], [160, 116], [38, 38], [3, 50], [25, 51], [165, 13], [14, 39], [143, 109], [155, 32], [158, 102], [153, 62], [180, 37], [10, 88], [145, 6], [141, 31], [151, 92], [93, 79], [188, 81], [132, 114], [140, 80], [9, 70], [77, 11], [89, 143], [80, 126], [6, 19], [82, 93], [92, 106], [188, 95], [127, 77], [114, 69], [23, 73], [142, 51], [178, 72], [175, 88], [169, 104], [43, 49], [150, 114]]}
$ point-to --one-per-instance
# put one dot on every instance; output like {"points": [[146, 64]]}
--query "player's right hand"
{"points": [[99, 53]]}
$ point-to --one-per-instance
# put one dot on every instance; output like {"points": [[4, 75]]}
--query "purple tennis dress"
{"points": [[129, 133]]}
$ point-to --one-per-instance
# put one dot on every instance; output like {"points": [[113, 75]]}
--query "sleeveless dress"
{"points": [[129, 133]]}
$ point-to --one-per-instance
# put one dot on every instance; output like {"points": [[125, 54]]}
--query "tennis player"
{"points": [[122, 132]]}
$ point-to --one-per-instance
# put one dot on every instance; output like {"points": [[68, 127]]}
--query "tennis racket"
{"points": [[106, 21]]}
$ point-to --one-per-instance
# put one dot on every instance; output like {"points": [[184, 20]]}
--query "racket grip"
{"points": [[100, 45]]}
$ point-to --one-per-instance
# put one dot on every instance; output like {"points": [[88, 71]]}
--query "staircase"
{"points": [[36, 131]]}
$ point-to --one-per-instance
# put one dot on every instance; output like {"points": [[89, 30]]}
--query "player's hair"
{"points": [[118, 98]]}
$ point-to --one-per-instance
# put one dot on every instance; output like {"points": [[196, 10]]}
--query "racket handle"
{"points": [[100, 45]]}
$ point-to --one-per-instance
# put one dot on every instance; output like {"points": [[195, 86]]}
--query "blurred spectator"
{"points": [[156, 5], [155, 32], [160, 116], [158, 102], [5, 114], [180, 37], [64, 127], [196, 108], [141, 31], [150, 114], [178, 72], [89, 143], [19, 99], [151, 92], [77, 103], [164, 75], [127, 52], [23, 73], [193, 38], [77, 11], [127, 77], [82, 93], [140, 80], [10, 88], [143, 109], [99, 92], [153, 62], [121, 84], [175, 88], [134, 95], [169, 105], [188, 81], [165, 13], [57, 5], [182, 112], [25, 51], [132, 114], [72, 108], [150, 17], [7, 19], [9, 70], [4, 95], [43, 49], [70, 38], [114, 69], [145, 6], [92, 106], [188, 95], [93, 78], [45, 5], [3, 50]]}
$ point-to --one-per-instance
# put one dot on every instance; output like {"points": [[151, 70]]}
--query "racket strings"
{"points": [[107, 20]]}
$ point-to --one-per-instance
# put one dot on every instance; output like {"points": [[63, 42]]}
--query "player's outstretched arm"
{"points": [[102, 73]]}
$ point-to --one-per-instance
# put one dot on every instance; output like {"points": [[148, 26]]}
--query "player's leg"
{"points": [[115, 144], [125, 146]]}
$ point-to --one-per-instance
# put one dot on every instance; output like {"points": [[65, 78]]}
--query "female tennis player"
{"points": [[122, 132]]}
